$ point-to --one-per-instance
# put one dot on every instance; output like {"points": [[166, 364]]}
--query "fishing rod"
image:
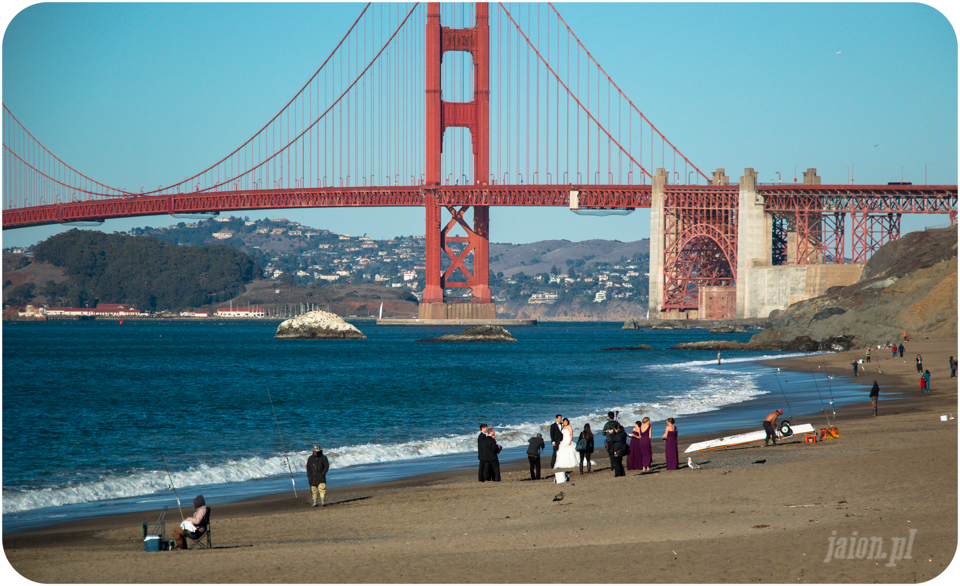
{"points": [[282, 446], [169, 476]]}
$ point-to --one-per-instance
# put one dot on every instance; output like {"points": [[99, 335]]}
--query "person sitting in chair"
{"points": [[190, 524]]}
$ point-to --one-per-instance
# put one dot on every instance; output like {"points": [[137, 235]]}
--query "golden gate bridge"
{"points": [[458, 107]]}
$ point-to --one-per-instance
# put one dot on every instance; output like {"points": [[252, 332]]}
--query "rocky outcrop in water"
{"points": [[670, 325], [318, 325], [640, 347], [476, 334], [727, 329], [726, 345]]}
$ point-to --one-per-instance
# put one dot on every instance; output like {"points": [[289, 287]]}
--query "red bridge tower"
{"points": [[475, 116]]}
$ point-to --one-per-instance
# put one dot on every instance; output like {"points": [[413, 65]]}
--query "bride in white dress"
{"points": [[567, 453]]}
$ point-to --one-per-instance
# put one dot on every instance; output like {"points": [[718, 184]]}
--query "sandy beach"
{"points": [[891, 479]]}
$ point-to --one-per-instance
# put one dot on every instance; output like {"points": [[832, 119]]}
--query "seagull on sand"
{"points": [[690, 464], [558, 498]]}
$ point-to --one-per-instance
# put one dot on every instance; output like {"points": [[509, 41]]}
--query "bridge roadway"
{"points": [[907, 199]]}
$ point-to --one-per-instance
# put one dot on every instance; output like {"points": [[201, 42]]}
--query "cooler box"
{"points": [[151, 543]]}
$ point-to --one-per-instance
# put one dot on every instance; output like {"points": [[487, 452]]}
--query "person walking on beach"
{"points": [[618, 447], [483, 434], [874, 397], [533, 454], [585, 447], [901, 350], [953, 367], [608, 429], [769, 425], [671, 452], [894, 350], [919, 364], [868, 353], [556, 436], [856, 365], [317, 467], [926, 379]]}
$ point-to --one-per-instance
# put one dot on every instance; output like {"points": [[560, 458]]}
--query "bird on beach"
{"points": [[558, 498], [690, 464]]}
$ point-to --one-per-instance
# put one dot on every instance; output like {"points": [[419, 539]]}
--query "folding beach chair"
{"points": [[202, 534]]}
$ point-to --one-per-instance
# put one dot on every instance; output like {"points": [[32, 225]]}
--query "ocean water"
{"points": [[101, 417]]}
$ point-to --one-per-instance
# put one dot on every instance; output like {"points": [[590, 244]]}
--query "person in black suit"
{"points": [[483, 434], [556, 436], [488, 456], [533, 454], [618, 445]]}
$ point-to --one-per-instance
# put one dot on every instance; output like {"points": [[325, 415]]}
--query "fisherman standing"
{"points": [[317, 467], [770, 425]]}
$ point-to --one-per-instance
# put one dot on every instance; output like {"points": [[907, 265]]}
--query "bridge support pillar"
{"points": [[655, 288], [754, 238]]}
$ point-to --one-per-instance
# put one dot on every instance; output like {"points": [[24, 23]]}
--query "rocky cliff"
{"points": [[909, 285]]}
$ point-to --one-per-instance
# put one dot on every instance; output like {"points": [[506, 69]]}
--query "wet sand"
{"points": [[891, 478]]}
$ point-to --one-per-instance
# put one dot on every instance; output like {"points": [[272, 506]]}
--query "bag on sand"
{"points": [[831, 433]]}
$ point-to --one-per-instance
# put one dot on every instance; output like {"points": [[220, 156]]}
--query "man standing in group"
{"points": [[317, 466], [533, 454], [556, 436], [618, 445], [480, 438], [770, 425], [608, 428], [488, 456]]}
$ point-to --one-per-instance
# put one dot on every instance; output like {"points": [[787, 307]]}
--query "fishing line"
{"points": [[167, 470], [777, 376], [829, 386], [282, 446], [819, 394]]}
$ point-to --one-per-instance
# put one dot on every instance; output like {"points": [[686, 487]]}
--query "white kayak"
{"points": [[783, 430]]}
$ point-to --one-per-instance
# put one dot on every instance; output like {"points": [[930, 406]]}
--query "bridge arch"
{"points": [[701, 255]]}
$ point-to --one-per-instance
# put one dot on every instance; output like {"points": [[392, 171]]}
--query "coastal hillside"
{"points": [[909, 285]]}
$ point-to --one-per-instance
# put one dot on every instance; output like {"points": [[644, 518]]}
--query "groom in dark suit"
{"points": [[480, 439], [556, 436], [489, 461]]}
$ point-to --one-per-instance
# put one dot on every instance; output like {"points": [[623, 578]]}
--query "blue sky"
{"points": [[138, 95]]}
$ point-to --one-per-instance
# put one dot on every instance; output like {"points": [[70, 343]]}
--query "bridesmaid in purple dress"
{"points": [[670, 435], [635, 456], [646, 450]]}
